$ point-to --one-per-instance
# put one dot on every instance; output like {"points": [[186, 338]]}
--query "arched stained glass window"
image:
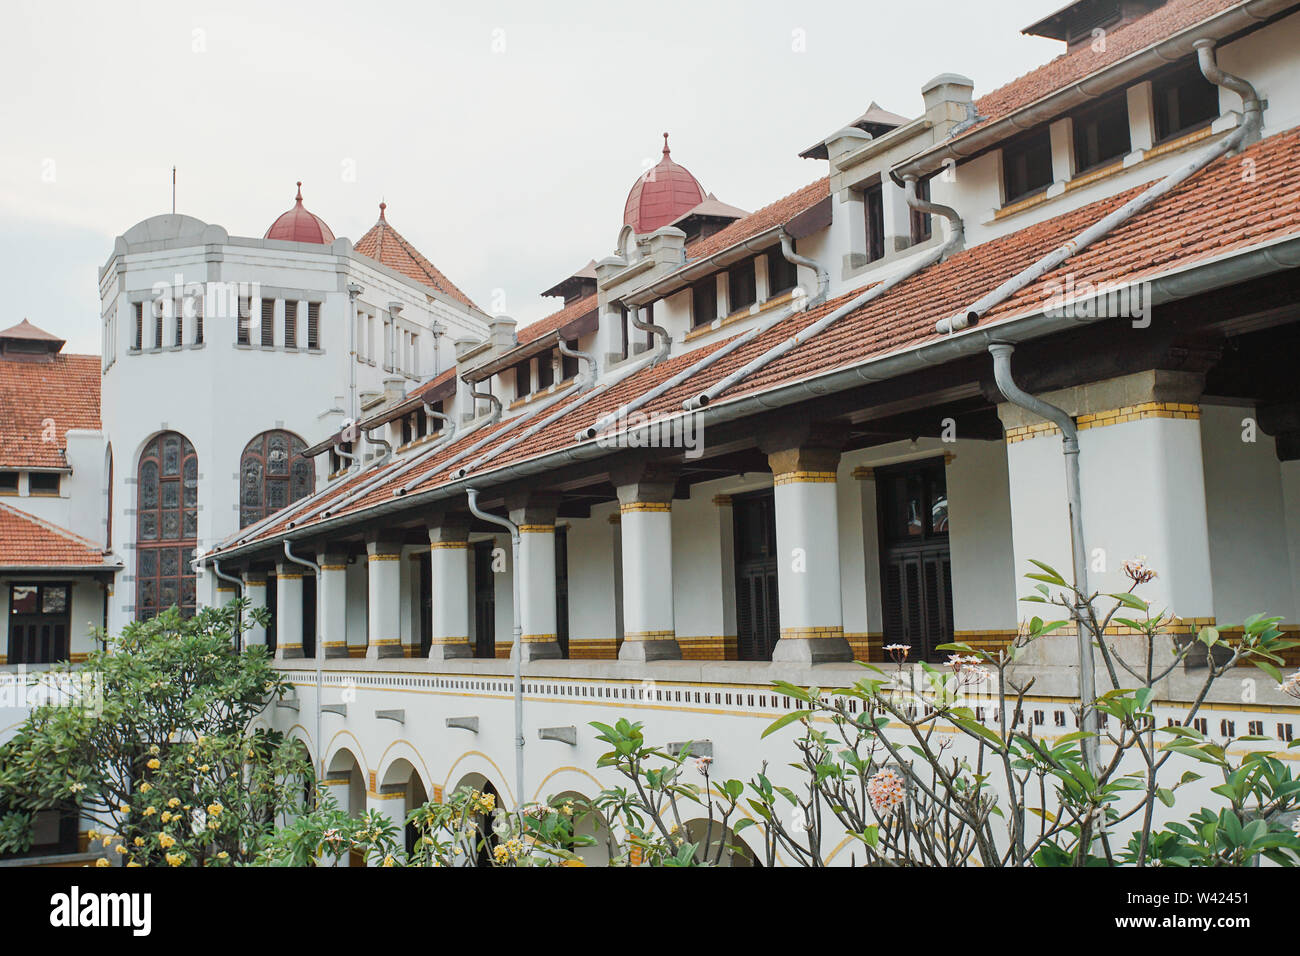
{"points": [[166, 525], [272, 474]]}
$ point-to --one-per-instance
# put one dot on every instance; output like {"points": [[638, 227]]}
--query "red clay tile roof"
{"points": [[556, 320], [385, 244], [36, 397], [1159, 24], [1211, 215], [29, 333], [28, 542], [773, 214]]}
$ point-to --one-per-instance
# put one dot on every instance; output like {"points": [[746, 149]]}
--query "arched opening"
{"points": [[272, 474], [403, 774], [589, 824], [484, 821], [711, 839], [167, 501], [346, 783]]}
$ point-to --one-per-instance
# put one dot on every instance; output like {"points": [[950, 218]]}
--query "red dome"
{"points": [[661, 195], [298, 225]]}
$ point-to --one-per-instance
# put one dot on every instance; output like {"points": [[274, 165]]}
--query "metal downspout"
{"points": [[387, 446], [239, 587], [492, 399], [950, 246], [802, 304], [1248, 131], [593, 368], [659, 332], [516, 649], [318, 651], [1001, 352]]}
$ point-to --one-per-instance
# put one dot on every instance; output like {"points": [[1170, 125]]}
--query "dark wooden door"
{"points": [[424, 568], [758, 615], [562, 589], [915, 561], [309, 615], [485, 600], [38, 623]]}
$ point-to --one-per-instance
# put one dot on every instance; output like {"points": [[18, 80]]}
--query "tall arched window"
{"points": [[272, 474], [166, 525]]}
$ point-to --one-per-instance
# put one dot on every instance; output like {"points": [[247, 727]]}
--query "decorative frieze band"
{"points": [[333, 567], [537, 529], [385, 557], [1112, 416], [810, 633], [795, 477], [660, 506], [449, 545], [650, 636]]}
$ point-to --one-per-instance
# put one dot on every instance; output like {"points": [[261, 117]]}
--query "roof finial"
{"points": [[299, 197], [665, 144], [382, 206]]}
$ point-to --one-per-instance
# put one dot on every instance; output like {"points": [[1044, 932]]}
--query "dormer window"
{"points": [[43, 483], [1184, 100], [1027, 164], [742, 285], [8, 482], [545, 370], [704, 301], [523, 379], [782, 274], [1101, 133], [922, 228], [569, 364], [873, 201]]}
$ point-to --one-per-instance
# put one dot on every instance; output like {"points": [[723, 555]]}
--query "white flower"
{"points": [[1137, 571], [886, 790], [702, 765], [1292, 685]]}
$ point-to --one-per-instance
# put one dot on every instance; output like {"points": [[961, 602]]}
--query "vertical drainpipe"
{"points": [[239, 589], [319, 651], [516, 649], [1001, 352], [354, 290]]}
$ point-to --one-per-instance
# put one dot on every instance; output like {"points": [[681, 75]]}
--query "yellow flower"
{"points": [[92, 834], [166, 841], [204, 768], [500, 853], [103, 861], [154, 764], [107, 840], [189, 758], [389, 861], [121, 850], [150, 811], [153, 749], [175, 859], [146, 787], [133, 863], [138, 841], [223, 855], [124, 808], [174, 802], [166, 816], [214, 809]]}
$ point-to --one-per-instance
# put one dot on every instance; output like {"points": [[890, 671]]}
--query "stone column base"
{"points": [[809, 646], [451, 651], [336, 649], [541, 648], [378, 650], [285, 652], [650, 646]]}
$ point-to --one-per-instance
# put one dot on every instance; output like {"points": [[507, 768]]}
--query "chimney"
{"points": [[394, 390], [948, 101], [501, 333]]}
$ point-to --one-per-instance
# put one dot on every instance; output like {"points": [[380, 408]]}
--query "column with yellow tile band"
{"points": [[645, 494], [534, 513], [332, 627], [384, 583], [288, 610], [449, 558], [804, 468], [255, 592]]}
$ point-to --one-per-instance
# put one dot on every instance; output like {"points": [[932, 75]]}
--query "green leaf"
{"points": [[785, 719]]}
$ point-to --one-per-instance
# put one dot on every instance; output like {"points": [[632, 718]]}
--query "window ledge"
{"points": [[540, 393], [766, 305]]}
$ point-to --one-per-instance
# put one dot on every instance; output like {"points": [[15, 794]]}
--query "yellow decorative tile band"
{"points": [[448, 641], [1113, 416], [449, 546], [333, 567], [797, 477], [864, 473], [386, 641], [335, 781], [645, 506], [722, 501], [537, 638], [289, 576], [537, 529], [650, 636], [810, 633], [385, 557]]}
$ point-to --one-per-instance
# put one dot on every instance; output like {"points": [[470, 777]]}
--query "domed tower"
{"points": [[661, 194], [299, 225]]}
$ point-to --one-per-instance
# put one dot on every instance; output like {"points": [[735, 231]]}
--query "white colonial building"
{"points": [[748, 446]]}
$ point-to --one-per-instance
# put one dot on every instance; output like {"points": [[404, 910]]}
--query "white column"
{"points": [[808, 556], [449, 566], [255, 591], [288, 610], [384, 624], [535, 516], [333, 605], [646, 529]]}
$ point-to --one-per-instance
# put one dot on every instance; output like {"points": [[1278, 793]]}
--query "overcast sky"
{"points": [[504, 136]]}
